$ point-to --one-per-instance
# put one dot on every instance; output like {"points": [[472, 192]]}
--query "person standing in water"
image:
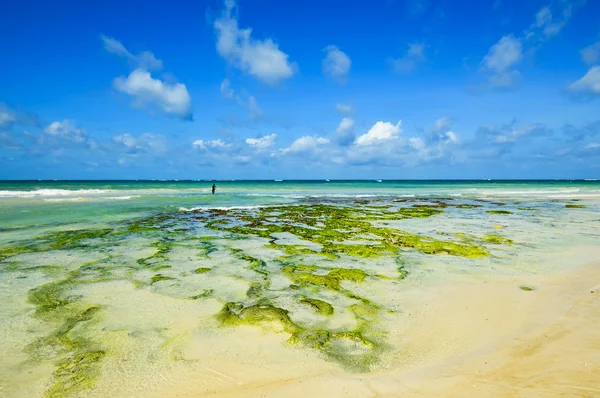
{"points": [[214, 187]]}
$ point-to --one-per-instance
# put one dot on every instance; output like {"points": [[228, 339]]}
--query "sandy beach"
{"points": [[481, 338]]}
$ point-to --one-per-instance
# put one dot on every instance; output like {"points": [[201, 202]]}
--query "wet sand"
{"points": [[485, 338]]}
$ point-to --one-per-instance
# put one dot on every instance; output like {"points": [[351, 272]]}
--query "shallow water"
{"points": [[134, 288]]}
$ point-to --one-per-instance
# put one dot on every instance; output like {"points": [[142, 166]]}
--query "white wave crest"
{"points": [[50, 192]]}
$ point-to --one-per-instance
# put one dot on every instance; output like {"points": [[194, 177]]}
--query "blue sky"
{"points": [[300, 89]]}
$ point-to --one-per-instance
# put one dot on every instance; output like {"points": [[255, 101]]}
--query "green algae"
{"points": [[419, 212], [76, 358], [202, 270], [15, 250], [60, 240], [468, 206], [159, 277], [348, 274], [256, 264], [331, 226], [75, 374], [340, 347], [497, 239], [206, 293], [292, 250], [526, 288], [498, 212], [55, 240], [48, 297], [156, 260], [320, 307], [574, 206], [331, 281]]}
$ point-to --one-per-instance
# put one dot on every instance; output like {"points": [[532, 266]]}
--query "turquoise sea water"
{"points": [[143, 288], [37, 202]]}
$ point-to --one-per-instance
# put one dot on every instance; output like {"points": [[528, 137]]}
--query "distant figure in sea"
{"points": [[214, 187]]}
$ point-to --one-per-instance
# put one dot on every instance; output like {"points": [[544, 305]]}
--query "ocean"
{"points": [[141, 288]]}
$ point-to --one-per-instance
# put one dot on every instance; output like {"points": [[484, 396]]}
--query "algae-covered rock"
{"points": [[320, 307], [498, 212]]}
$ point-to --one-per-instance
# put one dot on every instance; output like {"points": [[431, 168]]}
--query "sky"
{"points": [[264, 89]]}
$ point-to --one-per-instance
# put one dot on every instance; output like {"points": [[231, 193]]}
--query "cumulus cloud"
{"points": [[344, 134], [214, 144], [344, 108], [144, 60], [172, 99], [146, 142], [66, 130], [503, 57], [415, 55], [380, 132], [263, 142], [441, 124], [589, 84], [501, 60], [416, 143], [305, 144], [591, 54], [336, 63], [260, 58]]}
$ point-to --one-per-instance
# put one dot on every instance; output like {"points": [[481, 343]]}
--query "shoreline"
{"points": [[503, 341]]}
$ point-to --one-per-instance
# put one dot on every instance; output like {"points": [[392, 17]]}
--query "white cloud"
{"points": [[263, 142], [381, 131], [125, 139], [172, 99], [345, 125], [146, 142], [249, 104], [344, 134], [441, 124], [548, 24], [200, 144], [226, 90], [543, 17], [66, 130], [414, 56], [305, 144], [255, 111], [504, 56], [336, 63], [593, 145], [242, 159], [144, 60], [451, 137], [260, 58], [591, 54], [500, 60], [215, 144], [219, 144], [416, 143], [344, 108], [7, 117], [589, 83]]}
